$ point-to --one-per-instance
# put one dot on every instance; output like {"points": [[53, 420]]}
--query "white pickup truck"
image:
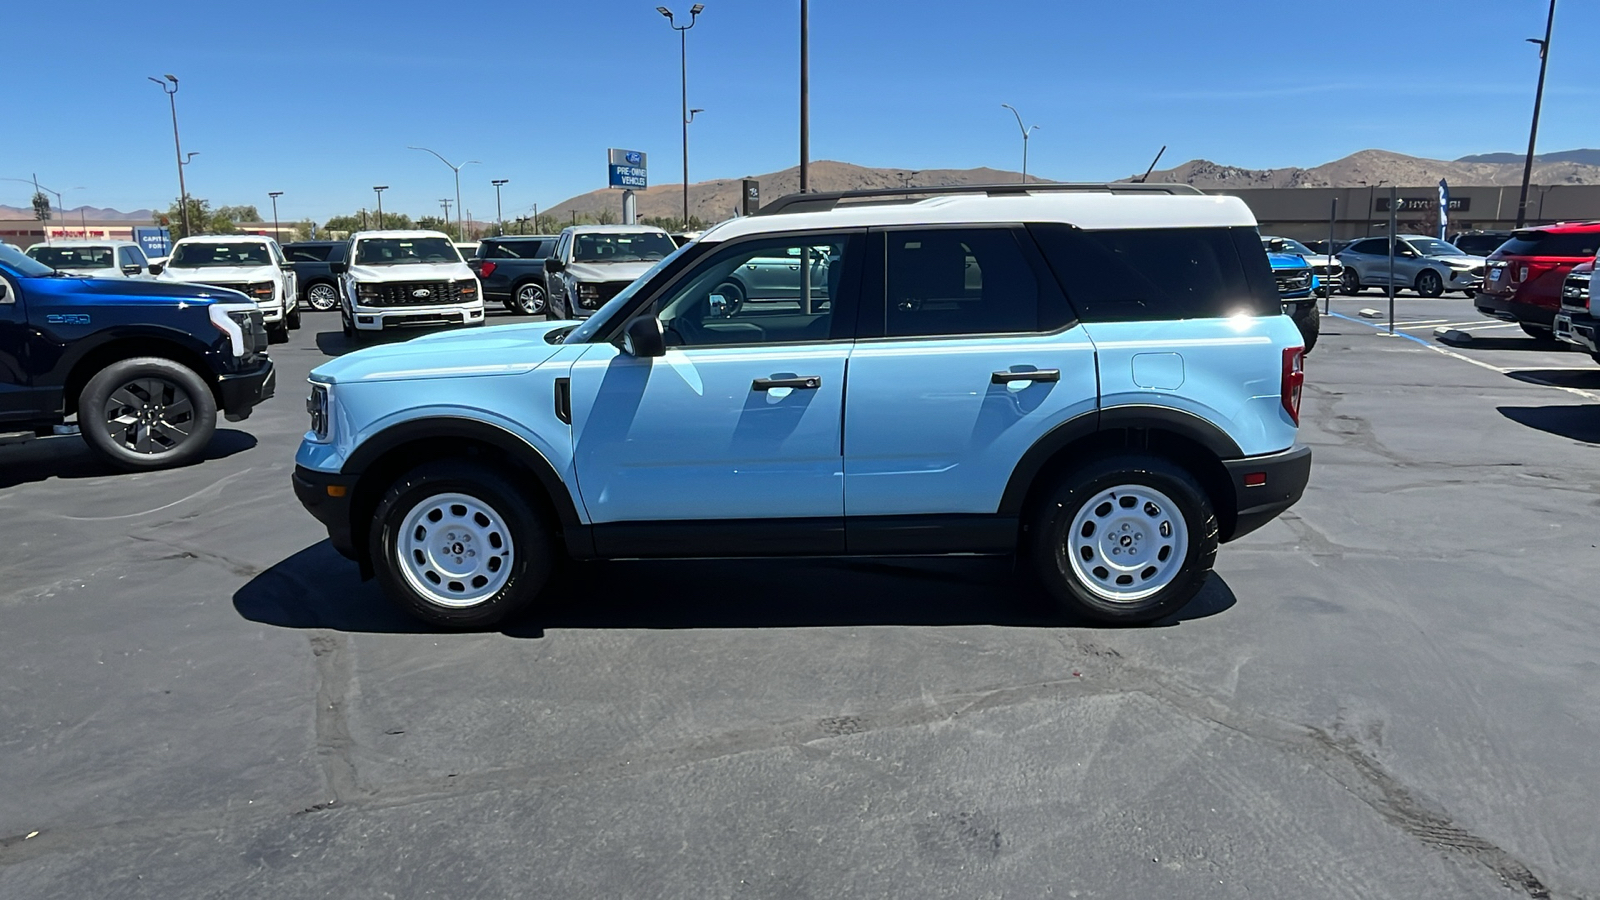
{"points": [[405, 279], [252, 265]]}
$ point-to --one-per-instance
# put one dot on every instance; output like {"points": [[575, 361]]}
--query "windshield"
{"points": [[402, 251], [213, 256], [1286, 245], [602, 316], [74, 257], [30, 268], [1434, 247], [637, 246]]}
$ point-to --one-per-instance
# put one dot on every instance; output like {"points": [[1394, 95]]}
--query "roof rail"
{"points": [[825, 200]]}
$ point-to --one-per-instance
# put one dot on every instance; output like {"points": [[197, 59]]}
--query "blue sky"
{"points": [[320, 99]]}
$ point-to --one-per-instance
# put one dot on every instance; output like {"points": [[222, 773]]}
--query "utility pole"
{"points": [[172, 100], [499, 221], [275, 234], [445, 202], [1538, 98], [805, 96], [379, 189], [683, 75]]}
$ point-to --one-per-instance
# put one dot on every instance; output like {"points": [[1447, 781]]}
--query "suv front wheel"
{"points": [[457, 545], [1126, 539]]}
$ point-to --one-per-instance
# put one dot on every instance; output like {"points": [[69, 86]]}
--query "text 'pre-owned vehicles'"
{"points": [[313, 269], [593, 263], [1423, 264], [253, 266], [511, 269], [1524, 277], [95, 259], [144, 365], [988, 370], [405, 279]]}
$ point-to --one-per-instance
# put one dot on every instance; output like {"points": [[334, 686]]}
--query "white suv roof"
{"points": [[1106, 209], [615, 229], [399, 233], [224, 239]]}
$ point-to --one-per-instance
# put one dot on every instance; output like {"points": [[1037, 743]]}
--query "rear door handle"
{"points": [[1035, 375], [799, 383]]}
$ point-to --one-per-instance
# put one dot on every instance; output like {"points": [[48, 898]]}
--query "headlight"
{"points": [[317, 405], [588, 292], [467, 289], [1462, 266], [223, 318], [261, 290], [367, 292]]}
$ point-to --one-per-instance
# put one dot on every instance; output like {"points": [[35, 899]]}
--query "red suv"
{"points": [[1522, 281]]}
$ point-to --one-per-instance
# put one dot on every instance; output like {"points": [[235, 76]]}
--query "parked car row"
{"points": [[1525, 276], [1423, 264]]}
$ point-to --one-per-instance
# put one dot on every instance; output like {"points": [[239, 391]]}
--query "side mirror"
{"points": [[642, 338], [551, 264], [132, 269], [339, 268], [157, 268]]}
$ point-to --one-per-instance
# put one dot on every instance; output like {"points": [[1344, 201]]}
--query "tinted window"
{"points": [[124, 258], [198, 256], [758, 292], [138, 257], [518, 249], [1544, 243], [73, 257], [627, 246], [308, 252], [1479, 244], [1373, 246], [1160, 273], [400, 251], [958, 281]]}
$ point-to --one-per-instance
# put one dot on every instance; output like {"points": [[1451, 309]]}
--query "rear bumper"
{"points": [[1506, 309], [241, 391], [1577, 328], [1285, 480], [312, 488]]}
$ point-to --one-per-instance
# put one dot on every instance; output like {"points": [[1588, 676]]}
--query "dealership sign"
{"points": [[1421, 204], [628, 169]]}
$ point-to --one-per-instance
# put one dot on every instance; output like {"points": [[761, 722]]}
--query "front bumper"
{"points": [[1577, 328], [1282, 478], [369, 318], [1463, 280], [1507, 309], [327, 497], [242, 391]]}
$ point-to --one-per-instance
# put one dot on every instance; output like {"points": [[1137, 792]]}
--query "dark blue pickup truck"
{"points": [[144, 366]]}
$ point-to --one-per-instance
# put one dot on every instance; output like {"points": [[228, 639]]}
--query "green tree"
{"points": [[435, 223], [41, 206], [199, 217], [672, 224]]}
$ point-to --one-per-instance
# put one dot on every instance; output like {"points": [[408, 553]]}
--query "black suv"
{"points": [[1479, 243], [511, 269], [319, 287], [145, 365]]}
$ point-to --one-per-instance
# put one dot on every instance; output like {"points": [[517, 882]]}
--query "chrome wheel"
{"points": [[1128, 542], [150, 415], [530, 300], [322, 297], [455, 550]]}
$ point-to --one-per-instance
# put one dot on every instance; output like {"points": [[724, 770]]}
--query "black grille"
{"points": [[411, 293], [242, 288], [1292, 280], [1575, 291]]}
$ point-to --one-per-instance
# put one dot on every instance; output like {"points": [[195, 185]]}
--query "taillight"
{"points": [[1294, 380], [485, 269]]}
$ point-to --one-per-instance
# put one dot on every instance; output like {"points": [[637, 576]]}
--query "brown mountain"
{"points": [[1373, 166], [93, 214]]}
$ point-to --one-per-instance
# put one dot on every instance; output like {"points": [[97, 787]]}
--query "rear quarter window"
{"points": [[1158, 274]]}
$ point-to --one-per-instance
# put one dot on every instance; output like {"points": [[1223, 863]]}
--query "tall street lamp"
{"points": [[457, 169], [683, 72], [1538, 98], [379, 189], [1026, 130], [1370, 189], [172, 100], [499, 223], [805, 96], [276, 234]]}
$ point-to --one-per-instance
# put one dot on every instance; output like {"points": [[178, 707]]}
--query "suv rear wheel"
{"points": [[147, 413], [459, 546], [1125, 539], [322, 296]]}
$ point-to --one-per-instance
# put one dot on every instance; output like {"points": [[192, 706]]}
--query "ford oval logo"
{"points": [[421, 292], [634, 157]]}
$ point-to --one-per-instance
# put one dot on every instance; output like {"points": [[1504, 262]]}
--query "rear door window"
{"points": [[963, 281], [1154, 274], [1545, 243]]}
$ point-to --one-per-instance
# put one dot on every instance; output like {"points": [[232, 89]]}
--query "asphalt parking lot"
{"points": [[1393, 691]]}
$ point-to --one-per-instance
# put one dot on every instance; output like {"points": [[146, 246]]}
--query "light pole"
{"points": [[1538, 98], [1370, 189], [379, 189], [499, 223], [683, 73], [1026, 130], [457, 169], [172, 100], [905, 177], [805, 96], [276, 234]]}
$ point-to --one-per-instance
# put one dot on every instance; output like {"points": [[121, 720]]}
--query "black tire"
{"points": [[1309, 321], [322, 296], [1052, 551], [514, 529], [1429, 283], [1538, 332], [529, 299], [294, 318], [1595, 357], [279, 333], [1350, 282], [147, 413], [350, 334]]}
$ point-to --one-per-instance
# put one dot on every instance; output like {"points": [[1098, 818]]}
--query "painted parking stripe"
{"points": [[1449, 324]]}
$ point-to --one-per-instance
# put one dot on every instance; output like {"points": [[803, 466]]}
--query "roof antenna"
{"points": [[1153, 162]]}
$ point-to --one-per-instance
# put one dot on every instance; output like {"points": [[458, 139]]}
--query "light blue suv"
{"points": [[972, 370]]}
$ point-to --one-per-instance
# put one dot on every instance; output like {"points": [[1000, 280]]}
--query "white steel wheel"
{"points": [[1127, 543], [455, 550]]}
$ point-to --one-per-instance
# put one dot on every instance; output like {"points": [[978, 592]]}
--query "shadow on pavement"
{"points": [[1579, 423], [1572, 378], [67, 456], [317, 588], [1525, 344]]}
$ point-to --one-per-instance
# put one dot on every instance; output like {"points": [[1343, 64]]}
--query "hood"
{"points": [[1286, 260], [413, 272], [209, 274], [617, 271], [463, 353], [137, 290]]}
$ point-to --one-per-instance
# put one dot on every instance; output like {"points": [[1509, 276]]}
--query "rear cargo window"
{"points": [[1545, 243], [1160, 273]]}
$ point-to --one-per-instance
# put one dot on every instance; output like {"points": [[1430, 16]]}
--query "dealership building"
{"points": [[1308, 213]]}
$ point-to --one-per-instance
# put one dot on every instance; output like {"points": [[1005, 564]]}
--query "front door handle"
{"points": [[798, 382], [1034, 375]]}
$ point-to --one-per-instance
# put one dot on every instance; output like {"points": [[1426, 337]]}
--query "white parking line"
{"points": [[1443, 324], [1487, 327]]}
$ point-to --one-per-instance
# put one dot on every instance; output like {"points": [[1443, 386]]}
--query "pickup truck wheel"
{"points": [[322, 297], [294, 318], [279, 333], [1310, 324], [530, 299], [147, 413], [1125, 539], [459, 546]]}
